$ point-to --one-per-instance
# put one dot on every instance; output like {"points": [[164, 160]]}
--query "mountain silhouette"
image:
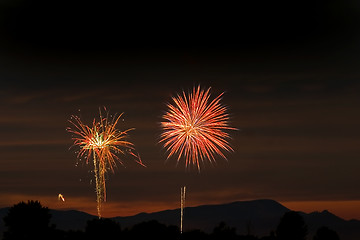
{"points": [[70, 219], [257, 217], [347, 230]]}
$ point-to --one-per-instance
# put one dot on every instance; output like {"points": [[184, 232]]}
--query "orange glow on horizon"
{"points": [[346, 209]]}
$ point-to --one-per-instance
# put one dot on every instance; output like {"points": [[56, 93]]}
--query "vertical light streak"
{"points": [[182, 206]]}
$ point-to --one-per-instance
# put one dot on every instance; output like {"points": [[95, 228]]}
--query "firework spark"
{"points": [[194, 128], [102, 142], [61, 197]]}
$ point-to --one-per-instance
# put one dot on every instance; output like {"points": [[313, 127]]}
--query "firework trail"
{"points": [[182, 206], [101, 142], [194, 129]]}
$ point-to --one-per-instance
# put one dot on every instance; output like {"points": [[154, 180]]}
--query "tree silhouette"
{"points": [[270, 237], [102, 228], [27, 221], [195, 234], [224, 232], [324, 233], [154, 229], [291, 227], [73, 235]]}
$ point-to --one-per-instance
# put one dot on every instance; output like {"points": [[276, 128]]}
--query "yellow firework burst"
{"points": [[102, 142]]}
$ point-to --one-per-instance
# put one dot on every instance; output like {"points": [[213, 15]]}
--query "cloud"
{"points": [[21, 143]]}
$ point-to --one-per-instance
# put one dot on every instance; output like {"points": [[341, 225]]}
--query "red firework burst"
{"points": [[194, 128]]}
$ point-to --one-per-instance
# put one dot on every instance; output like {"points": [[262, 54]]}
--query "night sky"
{"points": [[290, 73]]}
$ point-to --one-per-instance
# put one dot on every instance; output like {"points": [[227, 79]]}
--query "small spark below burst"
{"points": [[61, 197]]}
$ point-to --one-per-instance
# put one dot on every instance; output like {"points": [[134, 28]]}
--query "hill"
{"points": [[257, 217]]}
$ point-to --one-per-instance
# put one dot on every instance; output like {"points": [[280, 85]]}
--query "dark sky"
{"points": [[290, 73]]}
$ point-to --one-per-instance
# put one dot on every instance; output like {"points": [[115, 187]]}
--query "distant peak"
{"points": [[261, 201]]}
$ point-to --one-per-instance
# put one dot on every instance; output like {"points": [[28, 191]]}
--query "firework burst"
{"points": [[194, 128], [101, 142]]}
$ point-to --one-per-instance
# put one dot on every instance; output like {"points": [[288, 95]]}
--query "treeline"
{"points": [[32, 221]]}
